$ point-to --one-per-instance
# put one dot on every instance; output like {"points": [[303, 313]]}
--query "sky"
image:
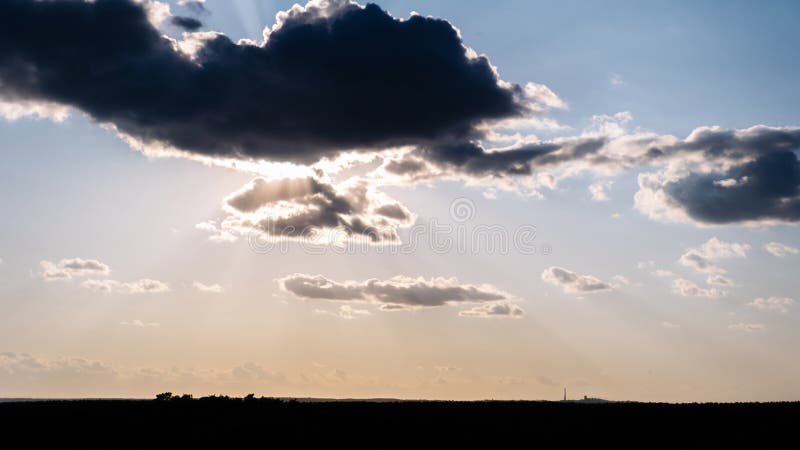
{"points": [[444, 200]]}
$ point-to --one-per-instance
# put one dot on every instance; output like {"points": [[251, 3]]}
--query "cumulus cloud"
{"points": [[780, 250], [313, 209], [398, 293], [208, 288], [778, 304], [142, 286], [68, 268], [687, 288], [704, 258], [574, 283], [329, 75]]}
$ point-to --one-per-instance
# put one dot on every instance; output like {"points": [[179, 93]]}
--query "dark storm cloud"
{"points": [[328, 78], [187, 23]]}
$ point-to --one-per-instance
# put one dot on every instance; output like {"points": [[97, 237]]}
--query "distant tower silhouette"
{"points": [[565, 394]]}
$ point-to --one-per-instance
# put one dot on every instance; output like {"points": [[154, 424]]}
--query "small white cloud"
{"points": [[669, 325], [703, 259], [779, 304], [621, 280], [572, 282], [217, 234], [599, 190], [494, 310], [146, 286], [346, 312], [641, 265], [143, 286], [719, 280], [780, 250], [208, 288], [661, 273], [616, 79], [140, 324], [747, 327], [104, 286], [688, 288], [731, 182]]}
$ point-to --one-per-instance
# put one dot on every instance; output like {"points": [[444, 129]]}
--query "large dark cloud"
{"points": [[742, 176], [767, 188], [326, 79]]}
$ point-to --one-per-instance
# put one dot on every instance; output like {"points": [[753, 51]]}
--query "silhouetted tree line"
{"points": [[170, 397], [179, 421]]}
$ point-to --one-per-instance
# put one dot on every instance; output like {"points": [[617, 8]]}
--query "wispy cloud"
{"points": [[778, 304], [780, 250]]}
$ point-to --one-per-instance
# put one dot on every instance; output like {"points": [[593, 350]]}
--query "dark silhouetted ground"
{"points": [[273, 423]]}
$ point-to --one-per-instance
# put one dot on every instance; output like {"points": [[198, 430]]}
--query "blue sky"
{"points": [[74, 189]]}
